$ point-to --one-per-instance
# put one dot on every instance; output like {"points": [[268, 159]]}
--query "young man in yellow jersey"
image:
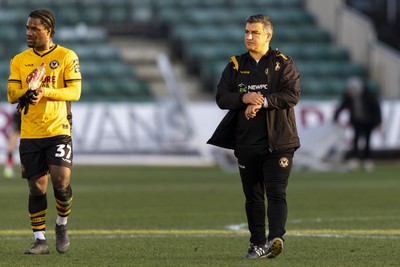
{"points": [[46, 143]]}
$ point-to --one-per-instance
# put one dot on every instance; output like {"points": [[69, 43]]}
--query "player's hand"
{"points": [[253, 98], [251, 111], [38, 95], [30, 97]]}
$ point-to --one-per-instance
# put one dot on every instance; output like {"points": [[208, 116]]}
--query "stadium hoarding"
{"points": [[162, 133]]}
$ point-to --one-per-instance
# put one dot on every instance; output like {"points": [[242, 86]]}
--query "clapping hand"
{"points": [[30, 97]]}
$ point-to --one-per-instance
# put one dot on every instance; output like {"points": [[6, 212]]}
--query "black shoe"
{"points": [[256, 252], [39, 247], [274, 248], [62, 239]]}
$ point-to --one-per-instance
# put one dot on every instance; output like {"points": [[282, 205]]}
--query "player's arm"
{"points": [[72, 80], [70, 93], [14, 91], [14, 86]]}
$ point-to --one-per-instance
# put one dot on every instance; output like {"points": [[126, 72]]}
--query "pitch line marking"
{"points": [[303, 232]]}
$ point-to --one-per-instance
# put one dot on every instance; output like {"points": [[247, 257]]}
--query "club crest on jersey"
{"points": [[54, 64], [283, 162], [266, 71], [277, 66]]}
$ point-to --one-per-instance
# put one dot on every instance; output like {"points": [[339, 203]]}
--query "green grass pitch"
{"points": [[182, 216]]}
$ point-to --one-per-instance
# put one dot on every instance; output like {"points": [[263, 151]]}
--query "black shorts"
{"points": [[37, 154]]}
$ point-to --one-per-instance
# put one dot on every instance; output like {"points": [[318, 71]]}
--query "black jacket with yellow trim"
{"points": [[282, 95]]}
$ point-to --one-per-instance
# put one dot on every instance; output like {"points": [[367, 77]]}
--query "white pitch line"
{"points": [[344, 219], [326, 233]]}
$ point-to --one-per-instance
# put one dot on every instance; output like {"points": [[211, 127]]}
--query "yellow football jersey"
{"points": [[51, 116]]}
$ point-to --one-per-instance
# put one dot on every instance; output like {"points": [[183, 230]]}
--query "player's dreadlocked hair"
{"points": [[46, 17], [263, 19]]}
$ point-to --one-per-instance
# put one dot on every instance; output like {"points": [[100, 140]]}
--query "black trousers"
{"points": [[265, 174], [362, 130]]}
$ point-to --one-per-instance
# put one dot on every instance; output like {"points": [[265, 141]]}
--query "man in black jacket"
{"points": [[365, 116], [260, 89]]}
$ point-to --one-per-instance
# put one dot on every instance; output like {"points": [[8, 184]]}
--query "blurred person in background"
{"points": [[260, 88], [46, 124], [12, 143], [365, 115]]}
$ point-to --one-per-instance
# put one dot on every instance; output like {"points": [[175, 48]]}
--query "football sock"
{"points": [[61, 220], [37, 212], [63, 204], [40, 235]]}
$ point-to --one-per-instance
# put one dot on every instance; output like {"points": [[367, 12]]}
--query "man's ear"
{"points": [[268, 36]]}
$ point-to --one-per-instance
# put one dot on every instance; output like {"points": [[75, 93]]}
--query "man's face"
{"points": [[37, 36], [256, 39]]}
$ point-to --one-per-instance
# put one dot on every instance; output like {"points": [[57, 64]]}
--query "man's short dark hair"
{"points": [[263, 19]]}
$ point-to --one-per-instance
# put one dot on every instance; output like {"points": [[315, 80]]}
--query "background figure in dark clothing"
{"points": [[12, 144], [365, 116]]}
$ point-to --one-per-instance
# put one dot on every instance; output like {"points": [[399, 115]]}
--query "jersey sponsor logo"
{"points": [[28, 65], [244, 72], [54, 64], [255, 87], [283, 162], [49, 81], [242, 88]]}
